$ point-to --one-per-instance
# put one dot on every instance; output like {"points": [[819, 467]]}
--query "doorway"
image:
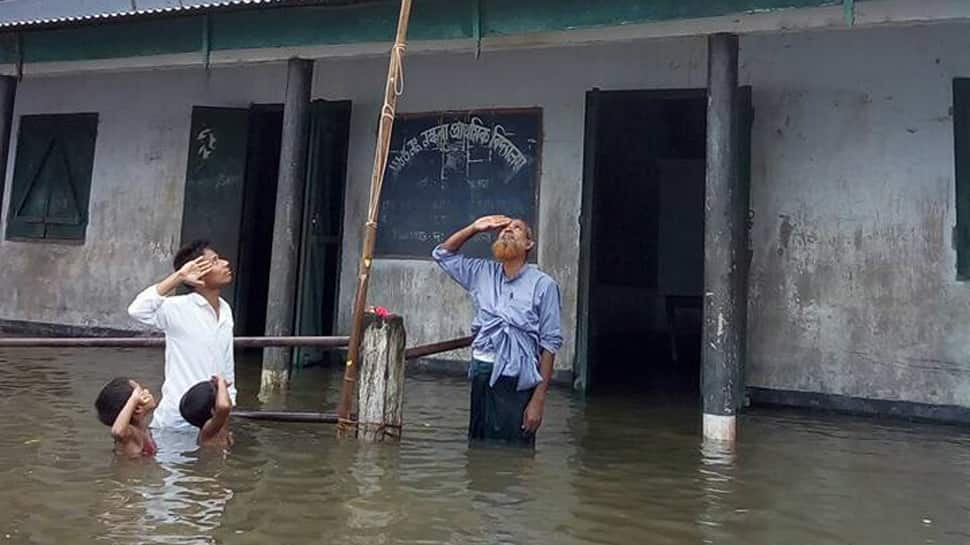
{"points": [[642, 249], [323, 220], [647, 253], [258, 216], [230, 196], [230, 199]]}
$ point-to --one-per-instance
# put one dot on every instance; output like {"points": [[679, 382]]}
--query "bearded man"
{"points": [[516, 327]]}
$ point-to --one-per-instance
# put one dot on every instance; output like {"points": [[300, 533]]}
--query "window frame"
{"points": [[48, 132]]}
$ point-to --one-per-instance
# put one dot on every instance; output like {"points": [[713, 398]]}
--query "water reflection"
{"points": [[716, 475], [178, 497]]}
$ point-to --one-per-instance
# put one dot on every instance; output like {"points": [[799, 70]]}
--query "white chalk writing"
{"points": [[457, 135], [207, 142]]}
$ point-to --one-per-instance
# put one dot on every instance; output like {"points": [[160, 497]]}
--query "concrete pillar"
{"points": [[723, 244], [284, 263], [8, 94]]}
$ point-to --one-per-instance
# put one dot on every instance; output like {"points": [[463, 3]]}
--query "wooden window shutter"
{"points": [[961, 141], [52, 176]]}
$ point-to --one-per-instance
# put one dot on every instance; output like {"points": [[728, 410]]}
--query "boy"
{"points": [[198, 326], [207, 406], [126, 406]]}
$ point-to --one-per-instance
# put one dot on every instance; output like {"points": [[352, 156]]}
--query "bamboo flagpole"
{"points": [[393, 89]]}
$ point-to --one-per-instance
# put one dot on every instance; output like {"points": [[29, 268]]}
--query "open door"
{"points": [[214, 181], [584, 325], [258, 218], [322, 226]]}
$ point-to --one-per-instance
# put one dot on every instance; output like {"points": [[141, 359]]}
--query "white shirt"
{"points": [[198, 345], [483, 356]]}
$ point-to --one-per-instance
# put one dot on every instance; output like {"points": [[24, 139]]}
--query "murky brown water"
{"points": [[617, 471]]}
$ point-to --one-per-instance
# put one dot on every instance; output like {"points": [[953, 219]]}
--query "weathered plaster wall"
{"points": [[136, 191], [434, 307], [853, 286]]}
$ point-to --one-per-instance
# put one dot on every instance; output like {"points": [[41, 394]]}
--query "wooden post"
{"points": [[380, 396], [724, 222], [287, 225]]}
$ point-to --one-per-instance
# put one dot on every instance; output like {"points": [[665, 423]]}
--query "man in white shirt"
{"points": [[198, 327]]}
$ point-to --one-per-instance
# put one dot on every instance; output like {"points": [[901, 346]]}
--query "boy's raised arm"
{"points": [[121, 428], [220, 413], [146, 308]]}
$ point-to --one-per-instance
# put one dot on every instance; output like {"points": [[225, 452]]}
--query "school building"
{"points": [[827, 172]]}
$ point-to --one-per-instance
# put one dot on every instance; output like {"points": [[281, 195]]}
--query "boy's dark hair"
{"points": [[197, 403], [112, 399], [190, 251]]}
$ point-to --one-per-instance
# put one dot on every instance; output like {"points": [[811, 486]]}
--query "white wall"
{"points": [[136, 191], [853, 286]]}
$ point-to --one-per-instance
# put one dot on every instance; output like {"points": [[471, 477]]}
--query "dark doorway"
{"points": [[643, 248], [230, 199], [230, 196], [259, 213]]}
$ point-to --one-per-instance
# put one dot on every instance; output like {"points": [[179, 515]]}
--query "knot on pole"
{"points": [[397, 61]]}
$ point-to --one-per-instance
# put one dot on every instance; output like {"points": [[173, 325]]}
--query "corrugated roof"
{"points": [[16, 14]]}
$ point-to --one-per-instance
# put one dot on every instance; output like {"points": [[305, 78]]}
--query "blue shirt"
{"points": [[515, 318]]}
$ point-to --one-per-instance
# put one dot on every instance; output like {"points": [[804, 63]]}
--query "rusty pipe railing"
{"points": [[331, 418], [412, 353], [288, 416], [155, 341], [421, 351]]}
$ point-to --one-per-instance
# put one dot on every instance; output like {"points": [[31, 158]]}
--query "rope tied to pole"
{"points": [[388, 113], [345, 425], [393, 88], [397, 60]]}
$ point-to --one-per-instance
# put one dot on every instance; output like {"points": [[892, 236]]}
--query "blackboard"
{"points": [[445, 169]]}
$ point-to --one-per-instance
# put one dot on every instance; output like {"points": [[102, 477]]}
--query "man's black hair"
{"points": [[112, 399], [190, 251], [197, 403]]}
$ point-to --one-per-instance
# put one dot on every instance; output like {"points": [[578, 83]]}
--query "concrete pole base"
{"points": [[720, 428], [272, 382]]}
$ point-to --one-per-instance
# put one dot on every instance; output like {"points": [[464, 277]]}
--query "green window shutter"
{"points": [[961, 140], [73, 161], [52, 176], [28, 202]]}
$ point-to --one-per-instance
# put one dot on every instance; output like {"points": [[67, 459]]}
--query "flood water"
{"points": [[616, 470]]}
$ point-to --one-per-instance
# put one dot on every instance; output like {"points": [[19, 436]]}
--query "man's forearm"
{"points": [[459, 238], [169, 284], [546, 361]]}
